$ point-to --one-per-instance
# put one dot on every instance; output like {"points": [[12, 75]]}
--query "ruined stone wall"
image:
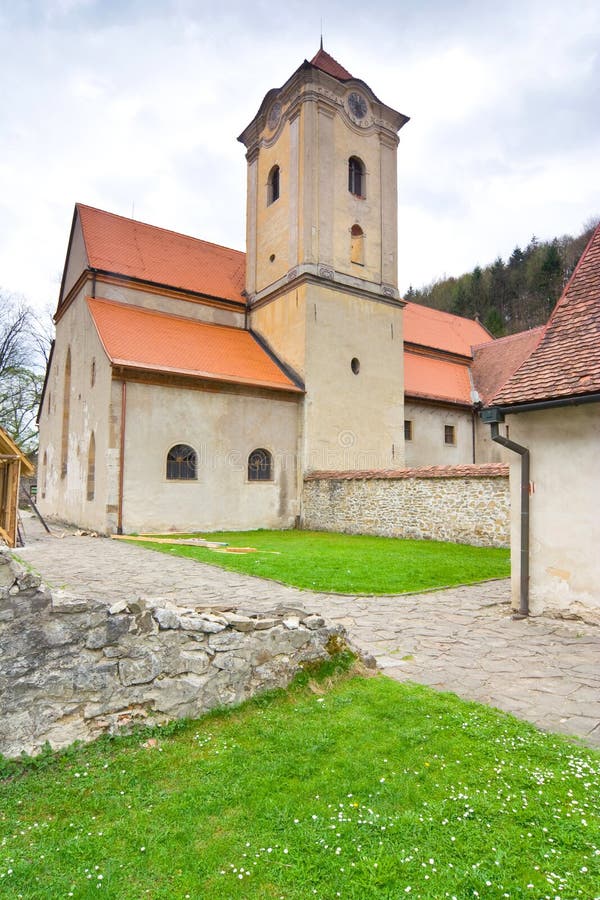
{"points": [[72, 669], [463, 504]]}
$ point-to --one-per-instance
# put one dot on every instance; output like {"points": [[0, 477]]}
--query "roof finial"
{"points": [[321, 32]]}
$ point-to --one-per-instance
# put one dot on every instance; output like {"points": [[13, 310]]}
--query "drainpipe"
{"points": [[524, 454], [122, 455]]}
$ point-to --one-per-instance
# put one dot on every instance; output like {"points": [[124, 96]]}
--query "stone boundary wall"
{"points": [[462, 504], [72, 669]]}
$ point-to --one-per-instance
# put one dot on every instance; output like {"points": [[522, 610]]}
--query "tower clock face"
{"points": [[274, 115], [357, 105]]}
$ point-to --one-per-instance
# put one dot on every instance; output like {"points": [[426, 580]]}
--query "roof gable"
{"points": [[146, 339], [566, 361], [495, 361], [127, 247]]}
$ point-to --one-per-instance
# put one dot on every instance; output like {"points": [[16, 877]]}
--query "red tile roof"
{"points": [[441, 330], [127, 247], [495, 361], [431, 378], [482, 470], [566, 361], [157, 341], [322, 60]]}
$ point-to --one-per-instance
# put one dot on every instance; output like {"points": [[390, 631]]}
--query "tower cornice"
{"points": [[310, 84]]}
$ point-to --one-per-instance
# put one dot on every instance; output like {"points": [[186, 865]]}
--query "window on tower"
{"points": [[273, 185], [357, 245], [356, 177]]}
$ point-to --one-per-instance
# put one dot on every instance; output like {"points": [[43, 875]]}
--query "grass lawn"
{"points": [[350, 564], [362, 789]]}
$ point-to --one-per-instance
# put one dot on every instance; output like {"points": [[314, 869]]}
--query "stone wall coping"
{"points": [[482, 470]]}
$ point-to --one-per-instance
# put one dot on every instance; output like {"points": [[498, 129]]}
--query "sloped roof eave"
{"points": [[545, 402], [434, 398], [155, 341], [205, 376]]}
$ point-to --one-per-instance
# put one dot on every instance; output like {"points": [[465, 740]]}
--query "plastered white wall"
{"points": [[352, 420], [223, 429], [89, 406], [564, 444], [428, 447]]}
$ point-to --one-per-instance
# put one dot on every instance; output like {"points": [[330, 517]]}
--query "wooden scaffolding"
{"points": [[13, 463]]}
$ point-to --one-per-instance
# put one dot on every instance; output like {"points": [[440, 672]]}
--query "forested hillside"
{"points": [[513, 295]]}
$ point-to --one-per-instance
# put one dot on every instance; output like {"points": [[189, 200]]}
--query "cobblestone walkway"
{"points": [[462, 639]]}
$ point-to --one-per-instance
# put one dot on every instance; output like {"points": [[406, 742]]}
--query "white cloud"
{"points": [[139, 104]]}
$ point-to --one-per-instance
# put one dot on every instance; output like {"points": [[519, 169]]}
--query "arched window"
{"points": [[64, 446], [181, 463], [91, 468], [260, 466], [273, 185], [356, 177], [357, 245]]}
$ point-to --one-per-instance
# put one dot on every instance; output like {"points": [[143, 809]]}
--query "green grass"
{"points": [[365, 789], [350, 564]]}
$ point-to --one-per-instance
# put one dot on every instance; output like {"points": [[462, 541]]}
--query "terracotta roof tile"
{"points": [[495, 361], [436, 379], [441, 330], [131, 248], [566, 362], [161, 342], [322, 60], [483, 470]]}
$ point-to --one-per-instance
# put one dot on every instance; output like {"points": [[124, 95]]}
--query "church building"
{"points": [[192, 387]]}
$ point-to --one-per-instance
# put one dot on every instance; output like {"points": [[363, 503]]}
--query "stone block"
{"points": [[114, 627], [139, 671], [205, 623], [119, 607], [313, 622], [166, 618], [230, 640], [180, 696], [144, 623], [95, 678], [265, 623], [239, 623], [195, 661], [66, 603]]}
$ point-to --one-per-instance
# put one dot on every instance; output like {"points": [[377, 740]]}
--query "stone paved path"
{"points": [[462, 639]]}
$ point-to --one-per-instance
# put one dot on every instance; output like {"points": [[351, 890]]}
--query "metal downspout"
{"points": [[122, 456], [524, 454]]}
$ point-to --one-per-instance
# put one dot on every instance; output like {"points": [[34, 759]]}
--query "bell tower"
{"points": [[321, 263]]}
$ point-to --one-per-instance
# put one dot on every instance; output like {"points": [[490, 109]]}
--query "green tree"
{"points": [[24, 342]]}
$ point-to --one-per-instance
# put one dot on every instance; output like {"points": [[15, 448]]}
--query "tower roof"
{"points": [[326, 63]]}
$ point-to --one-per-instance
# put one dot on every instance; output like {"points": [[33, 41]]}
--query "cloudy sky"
{"points": [[134, 106]]}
